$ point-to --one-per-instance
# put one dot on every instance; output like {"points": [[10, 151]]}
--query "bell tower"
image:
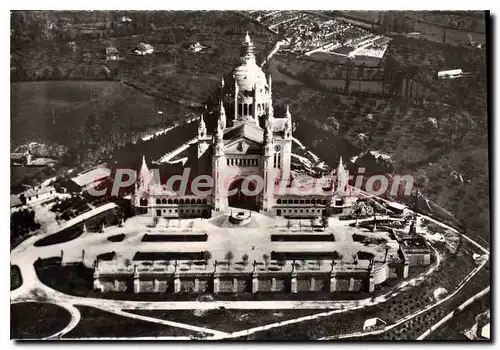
{"points": [[220, 200], [268, 170], [203, 138], [286, 152]]}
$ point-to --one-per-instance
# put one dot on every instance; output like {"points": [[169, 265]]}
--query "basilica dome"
{"points": [[249, 74]]}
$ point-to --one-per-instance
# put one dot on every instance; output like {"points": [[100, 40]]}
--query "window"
{"points": [[279, 201], [308, 201], [296, 201], [163, 201], [204, 201], [181, 201], [169, 201], [245, 109], [240, 109], [176, 201], [227, 161], [250, 109], [198, 201], [301, 201], [158, 201], [193, 201]]}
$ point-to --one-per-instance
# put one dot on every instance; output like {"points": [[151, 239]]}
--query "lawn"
{"points": [[227, 320], [36, 320], [70, 113], [97, 323]]}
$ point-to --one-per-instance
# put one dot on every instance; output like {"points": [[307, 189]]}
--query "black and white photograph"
{"points": [[250, 175]]}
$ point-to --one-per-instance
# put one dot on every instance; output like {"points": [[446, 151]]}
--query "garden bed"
{"points": [[16, 279], [175, 238]]}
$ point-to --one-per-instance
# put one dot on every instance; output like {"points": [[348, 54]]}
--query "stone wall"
{"points": [[146, 286], [187, 285], [243, 283], [265, 284], [225, 285], [342, 284], [303, 284]]}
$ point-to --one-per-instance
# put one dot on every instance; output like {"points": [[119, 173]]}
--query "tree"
{"points": [[229, 257], [324, 221], [206, 256], [245, 259], [281, 263], [319, 262], [266, 259]]}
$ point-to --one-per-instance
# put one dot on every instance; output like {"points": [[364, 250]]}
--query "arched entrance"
{"points": [[240, 199]]}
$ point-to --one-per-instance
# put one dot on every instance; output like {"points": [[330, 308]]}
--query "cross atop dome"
{"points": [[247, 54], [247, 38]]}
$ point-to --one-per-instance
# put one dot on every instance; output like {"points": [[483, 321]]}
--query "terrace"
{"points": [[196, 245]]}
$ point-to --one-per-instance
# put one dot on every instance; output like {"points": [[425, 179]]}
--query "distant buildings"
{"points": [[21, 158], [126, 19], [451, 74], [143, 49], [38, 195], [112, 53], [197, 47]]}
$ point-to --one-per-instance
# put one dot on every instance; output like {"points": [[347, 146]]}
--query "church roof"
{"points": [[247, 130], [279, 124]]}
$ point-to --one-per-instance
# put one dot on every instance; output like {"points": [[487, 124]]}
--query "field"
{"points": [[96, 323], [44, 320], [69, 112]]}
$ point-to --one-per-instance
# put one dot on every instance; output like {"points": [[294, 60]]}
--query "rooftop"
{"points": [[91, 176]]}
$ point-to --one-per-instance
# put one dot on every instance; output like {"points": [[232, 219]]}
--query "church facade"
{"points": [[249, 158]]}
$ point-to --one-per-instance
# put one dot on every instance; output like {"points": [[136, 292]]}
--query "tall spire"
{"points": [[202, 127], [143, 174], [342, 176], [222, 116], [236, 92], [288, 114], [268, 132]]}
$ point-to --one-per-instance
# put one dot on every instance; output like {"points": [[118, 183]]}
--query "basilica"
{"points": [[250, 148]]}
